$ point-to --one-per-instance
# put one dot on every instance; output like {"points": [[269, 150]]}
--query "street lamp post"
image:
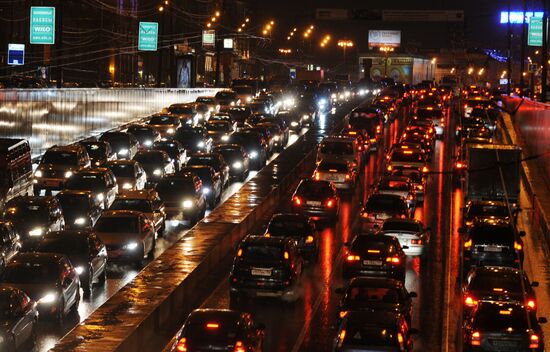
{"points": [[345, 44], [386, 50]]}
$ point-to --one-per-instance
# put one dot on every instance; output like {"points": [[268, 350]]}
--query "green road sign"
{"points": [[534, 35], [148, 36], [42, 25]]}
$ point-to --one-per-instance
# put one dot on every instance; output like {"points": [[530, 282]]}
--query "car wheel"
{"points": [[151, 254], [162, 229], [103, 277], [87, 286], [74, 308]]}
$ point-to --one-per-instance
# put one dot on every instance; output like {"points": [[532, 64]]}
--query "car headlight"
{"points": [[38, 173], [237, 165], [48, 298], [170, 131], [36, 232], [127, 186], [132, 246], [225, 138], [248, 99], [123, 152], [210, 109], [100, 197], [205, 190], [276, 138], [157, 172], [294, 124], [187, 204], [148, 143], [334, 96], [232, 103], [80, 221], [79, 270], [201, 144], [322, 102], [68, 174], [305, 116], [253, 154]]}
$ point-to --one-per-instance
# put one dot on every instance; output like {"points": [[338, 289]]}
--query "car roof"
{"points": [[375, 282], [82, 233], [122, 162], [373, 318], [65, 148], [35, 200], [35, 257], [263, 240], [121, 214], [142, 194]]}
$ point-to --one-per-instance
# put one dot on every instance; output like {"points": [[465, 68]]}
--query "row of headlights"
{"points": [[39, 174]]}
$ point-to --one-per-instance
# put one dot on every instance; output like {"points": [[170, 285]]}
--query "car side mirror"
{"points": [[340, 290], [535, 284], [405, 247], [522, 234], [413, 294], [542, 320]]}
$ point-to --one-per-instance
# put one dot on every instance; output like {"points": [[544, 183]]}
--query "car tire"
{"points": [[103, 277], [151, 254], [162, 229], [74, 308], [87, 287]]}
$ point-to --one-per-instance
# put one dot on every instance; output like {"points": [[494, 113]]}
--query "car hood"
{"points": [[112, 238]]}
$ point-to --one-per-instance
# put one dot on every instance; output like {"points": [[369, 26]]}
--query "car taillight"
{"points": [[360, 147], [309, 239], [475, 339], [416, 242], [239, 347], [410, 197], [469, 301], [378, 128], [330, 203], [389, 168], [424, 169], [531, 304], [393, 260], [353, 258], [348, 176], [518, 246], [420, 187], [296, 200], [317, 176], [468, 244], [182, 345], [403, 216], [534, 341], [459, 165]]}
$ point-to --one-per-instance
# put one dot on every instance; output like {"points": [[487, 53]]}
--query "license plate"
{"points": [[372, 262], [52, 183], [261, 272], [382, 216], [504, 344], [493, 249], [333, 177], [313, 203]]}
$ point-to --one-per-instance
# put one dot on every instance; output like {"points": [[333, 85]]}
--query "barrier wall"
{"points": [[60, 116]]}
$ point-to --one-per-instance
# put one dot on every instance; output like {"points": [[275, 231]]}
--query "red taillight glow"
{"points": [[353, 258], [418, 242], [239, 347], [476, 339], [212, 326], [296, 200], [393, 260], [531, 304], [534, 341], [317, 176], [459, 165], [518, 246], [330, 203], [182, 345], [348, 176], [469, 301]]}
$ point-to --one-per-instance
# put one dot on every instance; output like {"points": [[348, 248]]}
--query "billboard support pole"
{"points": [[544, 51], [523, 47], [509, 50]]}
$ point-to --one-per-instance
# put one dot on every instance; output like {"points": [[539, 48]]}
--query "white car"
{"points": [[410, 233]]}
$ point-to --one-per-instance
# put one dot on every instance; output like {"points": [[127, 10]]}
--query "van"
{"points": [[15, 169]]}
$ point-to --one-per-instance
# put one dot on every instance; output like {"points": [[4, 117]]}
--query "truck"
{"points": [[483, 177]]}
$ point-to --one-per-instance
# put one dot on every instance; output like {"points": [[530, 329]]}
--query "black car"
{"points": [[124, 144], [485, 209], [380, 207], [279, 121], [293, 119], [266, 135], [194, 139], [99, 152], [237, 159], [214, 160], [101, 182], [211, 182], [503, 327], [80, 208], [316, 199], [374, 256], [9, 242], [145, 134], [239, 114], [174, 149], [49, 279], [156, 163], [183, 197], [85, 251], [18, 319], [374, 331], [492, 244], [266, 266], [219, 330], [34, 216], [499, 284], [255, 146], [298, 227], [380, 294]]}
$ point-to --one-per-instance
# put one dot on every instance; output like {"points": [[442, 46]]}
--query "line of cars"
{"points": [[498, 299], [107, 199]]}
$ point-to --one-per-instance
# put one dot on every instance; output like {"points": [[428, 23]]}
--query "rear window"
{"points": [[333, 167], [386, 204], [288, 227], [60, 158], [373, 294], [488, 235], [211, 331], [487, 210], [308, 189], [262, 253], [497, 281], [496, 317], [337, 148], [394, 185], [407, 156], [366, 243], [401, 226]]}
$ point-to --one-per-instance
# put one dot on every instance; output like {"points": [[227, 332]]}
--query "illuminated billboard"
{"points": [[516, 17]]}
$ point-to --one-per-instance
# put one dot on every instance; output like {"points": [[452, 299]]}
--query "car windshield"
{"points": [[123, 170], [96, 150], [338, 148], [205, 100], [497, 317], [225, 95], [262, 253], [175, 188], [225, 332], [245, 139], [359, 294], [117, 141], [398, 185], [384, 204], [202, 172], [31, 273], [197, 160], [150, 157], [309, 189], [86, 182], [333, 167], [181, 110], [73, 202], [27, 212], [407, 156], [219, 126], [132, 204], [66, 245], [123, 224], [496, 280], [188, 136], [244, 90], [288, 227], [401, 226], [141, 132], [60, 158], [229, 154], [481, 210], [164, 120], [361, 335]]}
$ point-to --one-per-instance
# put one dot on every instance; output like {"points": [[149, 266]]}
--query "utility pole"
{"points": [[508, 90], [219, 43], [544, 51], [59, 58], [162, 17], [523, 45]]}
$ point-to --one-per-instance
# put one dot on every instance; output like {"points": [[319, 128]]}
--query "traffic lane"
{"points": [[48, 333]]}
